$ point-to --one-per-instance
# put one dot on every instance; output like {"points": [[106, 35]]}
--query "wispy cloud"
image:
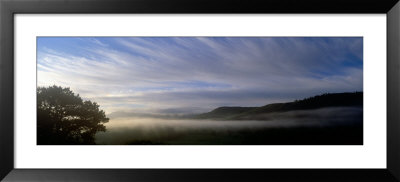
{"points": [[172, 73]]}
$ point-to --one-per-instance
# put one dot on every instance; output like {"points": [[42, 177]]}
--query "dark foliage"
{"points": [[320, 101], [63, 118]]}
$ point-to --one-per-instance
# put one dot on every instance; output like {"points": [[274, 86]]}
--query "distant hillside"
{"points": [[223, 112], [316, 102]]}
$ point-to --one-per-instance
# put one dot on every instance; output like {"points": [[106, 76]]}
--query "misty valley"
{"points": [[321, 126], [328, 119], [341, 122]]}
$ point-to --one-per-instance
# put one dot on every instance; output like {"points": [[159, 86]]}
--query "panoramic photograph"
{"points": [[199, 91]]}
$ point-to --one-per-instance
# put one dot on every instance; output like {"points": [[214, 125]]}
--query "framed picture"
{"points": [[254, 91]]}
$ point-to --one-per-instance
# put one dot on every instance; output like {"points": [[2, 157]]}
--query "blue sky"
{"points": [[196, 74]]}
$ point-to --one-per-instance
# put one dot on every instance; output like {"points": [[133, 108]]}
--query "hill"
{"points": [[352, 99], [222, 112]]}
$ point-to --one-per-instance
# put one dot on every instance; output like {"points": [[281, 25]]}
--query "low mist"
{"points": [[273, 128]]}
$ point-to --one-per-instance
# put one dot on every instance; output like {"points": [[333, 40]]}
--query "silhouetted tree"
{"points": [[64, 118]]}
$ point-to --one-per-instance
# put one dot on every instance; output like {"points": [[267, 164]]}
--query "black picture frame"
{"points": [[8, 8]]}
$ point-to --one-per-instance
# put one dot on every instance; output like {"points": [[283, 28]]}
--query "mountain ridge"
{"points": [[345, 99]]}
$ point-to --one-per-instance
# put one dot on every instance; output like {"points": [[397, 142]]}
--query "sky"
{"points": [[183, 75]]}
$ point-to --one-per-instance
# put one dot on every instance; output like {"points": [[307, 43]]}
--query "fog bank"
{"points": [[164, 131]]}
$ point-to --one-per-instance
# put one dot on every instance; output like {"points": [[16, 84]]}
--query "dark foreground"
{"points": [[350, 135]]}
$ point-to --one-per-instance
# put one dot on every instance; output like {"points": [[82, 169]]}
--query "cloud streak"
{"points": [[161, 73]]}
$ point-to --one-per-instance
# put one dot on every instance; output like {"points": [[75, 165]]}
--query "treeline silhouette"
{"points": [[320, 101], [63, 118]]}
